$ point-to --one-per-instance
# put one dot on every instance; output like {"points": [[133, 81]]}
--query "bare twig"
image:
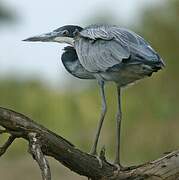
{"points": [[6, 145], [35, 150]]}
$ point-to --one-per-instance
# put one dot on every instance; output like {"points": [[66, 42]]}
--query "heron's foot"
{"points": [[100, 161], [101, 158], [120, 167], [93, 152]]}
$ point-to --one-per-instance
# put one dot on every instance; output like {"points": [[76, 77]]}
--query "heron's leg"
{"points": [[118, 127], [103, 112]]}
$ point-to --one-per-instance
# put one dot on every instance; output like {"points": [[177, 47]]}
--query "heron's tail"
{"points": [[157, 65]]}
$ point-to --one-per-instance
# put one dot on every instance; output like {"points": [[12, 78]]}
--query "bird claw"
{"points": [[101, 157], [97, 157], [119, 167], [94, 153], [99, 160]]}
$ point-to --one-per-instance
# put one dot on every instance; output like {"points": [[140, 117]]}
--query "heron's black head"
{"points": [[64, 34]]}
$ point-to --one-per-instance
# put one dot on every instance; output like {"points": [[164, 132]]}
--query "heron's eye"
{"points": [[65, 33]]}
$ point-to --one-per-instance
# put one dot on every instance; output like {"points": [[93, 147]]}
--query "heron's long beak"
{"points": [[52, 37], [47, 37]]}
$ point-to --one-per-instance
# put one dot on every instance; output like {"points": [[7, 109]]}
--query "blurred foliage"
{"points": [[150, 108], [5, 13], [101, 17]]}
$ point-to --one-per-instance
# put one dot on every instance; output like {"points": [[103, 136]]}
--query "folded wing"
{"points": [[100, 47]]}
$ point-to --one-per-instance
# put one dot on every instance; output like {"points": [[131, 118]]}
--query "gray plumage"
{"points": [[72, 64], [116, 54], [105, 53]]}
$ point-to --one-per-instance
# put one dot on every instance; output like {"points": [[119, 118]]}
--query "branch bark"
{"points": [[43, 142], [36, 152]]}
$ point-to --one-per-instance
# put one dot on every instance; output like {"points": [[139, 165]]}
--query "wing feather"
{"points": [[100, 55], [100, 47], [96, 32]]}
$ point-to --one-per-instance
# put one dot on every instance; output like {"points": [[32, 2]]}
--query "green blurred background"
{"points": [[150, 123]]}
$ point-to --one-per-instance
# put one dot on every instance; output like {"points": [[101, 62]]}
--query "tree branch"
{"points": [[37, 154], [44, 142], [6, 144]]}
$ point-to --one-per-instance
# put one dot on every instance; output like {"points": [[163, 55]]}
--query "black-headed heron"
{"points": [[105, 53]]}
